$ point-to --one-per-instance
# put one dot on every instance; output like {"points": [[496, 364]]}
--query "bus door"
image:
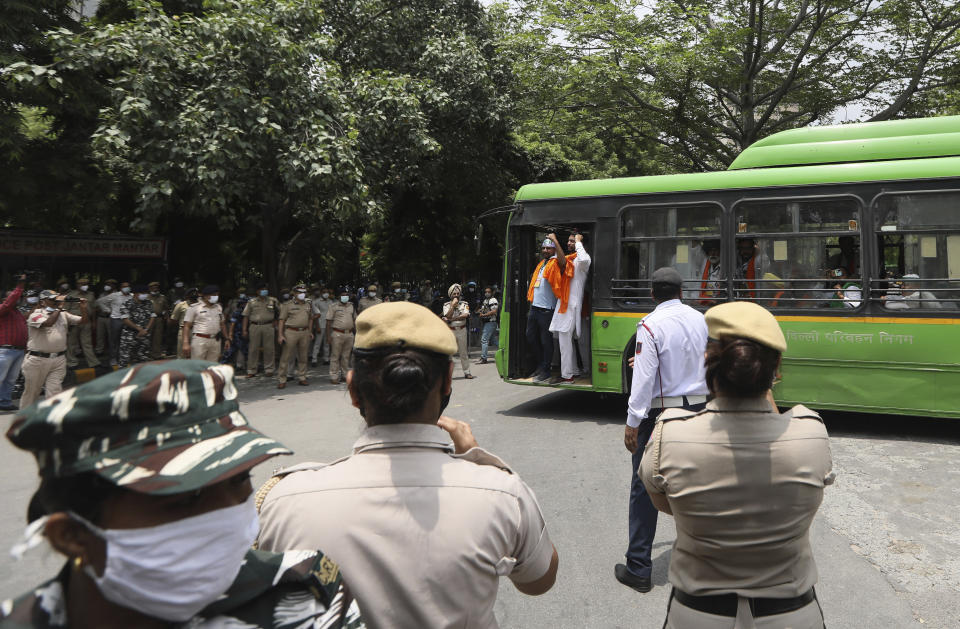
{"points": [[525, 256]]}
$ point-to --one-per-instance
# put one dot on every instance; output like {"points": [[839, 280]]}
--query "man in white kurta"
{"points": [[566, 324]]}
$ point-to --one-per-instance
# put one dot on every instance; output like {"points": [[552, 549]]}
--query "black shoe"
{"points": [[640, 584]]}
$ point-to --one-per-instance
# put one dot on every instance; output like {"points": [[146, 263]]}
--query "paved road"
{"points": [[887, 539]]}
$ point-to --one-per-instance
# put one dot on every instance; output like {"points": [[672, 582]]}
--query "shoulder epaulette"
{"points": [[481, 457], [802, 412]]}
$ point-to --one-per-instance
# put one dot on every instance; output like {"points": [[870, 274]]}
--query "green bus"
{"points": [[849, 234]]}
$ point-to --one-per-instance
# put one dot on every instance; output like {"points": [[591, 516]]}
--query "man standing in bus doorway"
{"points": [[668, 372], [565, 324], [549, 284]]}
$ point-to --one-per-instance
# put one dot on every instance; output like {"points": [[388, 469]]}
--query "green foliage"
{"points": [[707, 78]]}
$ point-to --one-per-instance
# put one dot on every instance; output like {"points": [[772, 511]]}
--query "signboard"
{"points": [[80, 246]]}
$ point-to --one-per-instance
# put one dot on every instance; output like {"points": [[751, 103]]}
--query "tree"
{"points": [[48, 177], [237, 116], [707, 78]]}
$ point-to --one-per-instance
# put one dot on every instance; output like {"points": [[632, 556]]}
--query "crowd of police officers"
{"points": [[116, 324]]}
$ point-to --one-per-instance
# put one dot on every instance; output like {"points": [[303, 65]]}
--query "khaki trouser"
{"points": [[180, 342], [261, 337], [296, 344], [81, 335], [461, 336], [156, 349], [42, 373], [103, 334], [204, 349], [341, 344], [682, 617]]}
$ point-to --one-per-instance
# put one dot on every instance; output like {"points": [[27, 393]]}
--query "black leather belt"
{"points": [[10, 347], [341, 331], [30, 352], [290, 327], [726, 604], [539, 309], [260, 322]]}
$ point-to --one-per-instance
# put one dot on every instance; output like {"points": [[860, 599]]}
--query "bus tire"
{"points": [[627, 373]]}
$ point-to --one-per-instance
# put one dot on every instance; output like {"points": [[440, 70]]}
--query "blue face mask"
{"points": [[264, 293]]}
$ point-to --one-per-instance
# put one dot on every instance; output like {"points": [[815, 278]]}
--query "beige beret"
{"points": [[745, 319], [403, 324]]}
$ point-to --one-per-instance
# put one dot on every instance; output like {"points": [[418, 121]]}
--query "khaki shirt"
{"points": [[261, 309], [421, 534], [450, 313], [179, 311], [160, 304], [296, 314], [341, 315], [744, 484], [206, 318], [366, 302], [73, 307], [50, 339]]}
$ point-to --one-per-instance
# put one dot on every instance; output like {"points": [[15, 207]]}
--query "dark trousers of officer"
{"points": [[643, 515], [540, 339]]}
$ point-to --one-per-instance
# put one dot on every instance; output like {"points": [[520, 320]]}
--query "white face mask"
{"points": [[107, 288], [243, 295], [344, 299], [174, 570], [301, 296], [125, 290], [214, 298], [32, 300], [143, 296], [84, 288], [179, 284], [372, 293], [325, 295], [714, 259], [64, 286]]}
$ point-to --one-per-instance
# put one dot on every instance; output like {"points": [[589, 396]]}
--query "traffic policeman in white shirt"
{"points": [[668, 372]]}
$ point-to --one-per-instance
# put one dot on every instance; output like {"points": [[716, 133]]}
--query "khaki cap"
{"points": [[83, 279], [152, 284], [403, 324], [744, 319]]}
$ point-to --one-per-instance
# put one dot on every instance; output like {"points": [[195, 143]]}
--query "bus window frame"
{"points": [[865, 215], [724, 228], [874, 214]]}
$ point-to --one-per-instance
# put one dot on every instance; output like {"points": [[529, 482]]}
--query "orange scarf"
{"points": [[559, 280]]}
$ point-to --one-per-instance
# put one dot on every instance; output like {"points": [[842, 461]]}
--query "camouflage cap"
{"points": [[49, 294], [165, 427]]}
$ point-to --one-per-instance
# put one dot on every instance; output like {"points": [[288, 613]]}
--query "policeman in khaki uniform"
{"points": [[82, 334], [259, 321], [421, 528], [340, 322], [177, 314], [743, 483], [204, 326], [295, 334], [45, 365], [160, 308], [370, 299], [103, 316]]}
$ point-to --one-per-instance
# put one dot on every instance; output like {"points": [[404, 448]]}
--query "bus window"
{"points": [[918, 237], [788, 253], [686, 237]]}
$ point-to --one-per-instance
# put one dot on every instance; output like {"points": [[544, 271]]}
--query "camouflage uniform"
{"points": [[141, 419], [135, 348], [308, 594]]}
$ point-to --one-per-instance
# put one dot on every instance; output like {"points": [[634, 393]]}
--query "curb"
{"points": [[79, 376]]}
